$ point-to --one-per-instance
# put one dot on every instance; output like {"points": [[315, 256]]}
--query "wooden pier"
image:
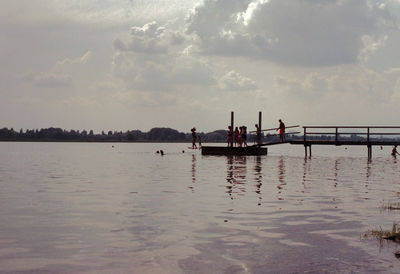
{"points": [[347, 136], [368, 136], [234, 151], [254, 150]]}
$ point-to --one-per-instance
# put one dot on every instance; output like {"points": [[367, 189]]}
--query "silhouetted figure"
{"points": [[236, 136], [162, 152], [229, 136], [243, 136], [281, 129], [258, 134], [394, 151], [194, 138]]}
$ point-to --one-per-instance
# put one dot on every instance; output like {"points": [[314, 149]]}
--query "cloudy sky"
{"points": [[138, 64]]}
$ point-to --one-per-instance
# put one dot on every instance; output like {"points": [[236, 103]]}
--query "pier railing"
{"points": [[360, 134], [356, 136]]}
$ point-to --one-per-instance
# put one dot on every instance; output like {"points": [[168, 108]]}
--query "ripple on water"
{"points": [[90, 207]]}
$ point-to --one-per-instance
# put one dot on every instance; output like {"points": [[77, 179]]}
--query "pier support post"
{"points": [[232, 124], [310, 150]]}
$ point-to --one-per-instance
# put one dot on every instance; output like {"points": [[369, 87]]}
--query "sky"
{"points": [[138, 64]]}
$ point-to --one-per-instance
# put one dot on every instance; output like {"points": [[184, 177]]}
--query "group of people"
{"points": [[238, 137]]}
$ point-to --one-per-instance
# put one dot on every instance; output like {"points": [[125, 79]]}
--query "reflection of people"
{"points": [[229, 136], [194, 138], [258, 134], [394, 151], [281, 129]]}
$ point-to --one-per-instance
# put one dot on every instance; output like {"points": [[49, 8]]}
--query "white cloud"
{"points": [[278, 56], [158, 59], [233, 81], [293, 32], [80, 60]]}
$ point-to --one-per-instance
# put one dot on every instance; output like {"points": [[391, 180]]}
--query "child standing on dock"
{"points": [[229, 137], [243, 136], [258, 134], [194, 138], [236, 136]]}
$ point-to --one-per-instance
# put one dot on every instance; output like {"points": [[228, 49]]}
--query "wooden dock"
{"points": [[237, 151], [368, 136], [348, 136]]}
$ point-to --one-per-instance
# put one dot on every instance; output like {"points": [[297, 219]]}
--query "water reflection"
{"points": [[281, 176], [194, 160], [258, 178], [236, 176], [336, 169]]}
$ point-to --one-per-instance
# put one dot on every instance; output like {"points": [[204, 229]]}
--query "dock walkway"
{"points": [[368, 136]]}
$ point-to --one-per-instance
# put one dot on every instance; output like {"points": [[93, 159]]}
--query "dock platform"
{"points": [[236, 151]]}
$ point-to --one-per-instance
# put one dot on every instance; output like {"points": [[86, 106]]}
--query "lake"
{"points": [[123, 208]]}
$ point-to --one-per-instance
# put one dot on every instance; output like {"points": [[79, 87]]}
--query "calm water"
{"points": [[95, 208]]}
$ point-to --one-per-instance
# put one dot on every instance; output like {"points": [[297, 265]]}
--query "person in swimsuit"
{"points": [[236, 136], [243, 136], [229, 136], [258, 134], [281, 129], [194, 138]]}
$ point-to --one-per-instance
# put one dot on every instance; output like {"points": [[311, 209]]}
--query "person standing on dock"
{"points": [[199, 137], [258, 134], [236, 136], [281, 129], [243, 135], [229, 136], [194, 138]]}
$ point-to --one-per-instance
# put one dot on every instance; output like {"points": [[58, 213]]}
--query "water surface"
{"points": [[122, 208]]}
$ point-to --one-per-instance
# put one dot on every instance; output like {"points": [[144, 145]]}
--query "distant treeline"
{"points": [[154, 135]]}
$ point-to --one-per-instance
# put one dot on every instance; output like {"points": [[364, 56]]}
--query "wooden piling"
{"points": [[232, 124]]}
